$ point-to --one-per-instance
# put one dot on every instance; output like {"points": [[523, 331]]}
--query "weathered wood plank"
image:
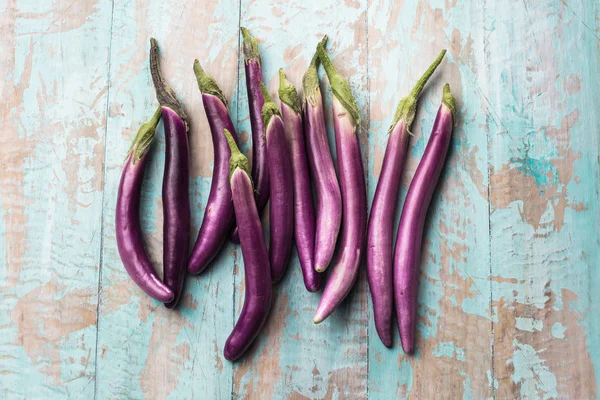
{"points": [[544, 196], [453, 357], [145, 350], [294, 358], [53, 83]]}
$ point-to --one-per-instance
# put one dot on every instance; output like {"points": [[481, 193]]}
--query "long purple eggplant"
{"points": [[257, 275], [127, 216], [346, 120], [304, 212], [260, 169], [281, 177], [219, 216], [175, 190], [380, 229], [407, 256], [327, 188]]}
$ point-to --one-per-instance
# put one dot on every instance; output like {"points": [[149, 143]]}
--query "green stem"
{"points": [[310, 80], [448, 101], [407, 107], [165, 95], [250, 46], [269, 108], [144, 137], [339, 86], [207, 84], [237, 159], [287, 93]]}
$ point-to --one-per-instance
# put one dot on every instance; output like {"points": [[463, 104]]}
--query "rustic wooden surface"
{"points": [[508, 306]]}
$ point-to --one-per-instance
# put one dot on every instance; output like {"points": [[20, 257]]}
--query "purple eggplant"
{"points": [[127, 216], [346, 120], [304, 212], [257, 275], [281, 177], [327, 188], [219, 216], [176, 182], [380, 227], [260, 169], [407, 254]]}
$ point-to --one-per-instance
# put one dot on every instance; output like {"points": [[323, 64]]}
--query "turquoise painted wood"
{"points": [[507, 296]]}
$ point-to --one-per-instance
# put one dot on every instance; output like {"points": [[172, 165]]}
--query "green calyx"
{"points": [[407, 107], [310, 80], [448, 101], [207, 84], [339, 85], [269, 108], [287, 93], [144, 137], [250, 46], [165, 95], [237, 159]]}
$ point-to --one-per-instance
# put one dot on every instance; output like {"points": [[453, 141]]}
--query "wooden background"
{"points": [[508, 306]]}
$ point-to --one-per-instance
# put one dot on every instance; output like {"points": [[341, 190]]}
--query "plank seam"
{"points": [[237, 119], [101, 256], [489, 200], [368, 157]]}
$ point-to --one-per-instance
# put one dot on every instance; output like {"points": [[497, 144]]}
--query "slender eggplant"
{"points": [[346, 120], [175, 190], [407, 255], [257, 276], [254, 77], [327, 188], [219, 216], [127, 216], [304, 212], [380, 229], [281, 177]]}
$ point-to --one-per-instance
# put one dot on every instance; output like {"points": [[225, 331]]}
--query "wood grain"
{"points": [[507, 302]]}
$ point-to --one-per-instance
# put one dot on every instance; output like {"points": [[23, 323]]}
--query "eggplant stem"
{"points": [[165, 95], [144, 137], [448, 101], [310, 80], [407, 107], [269, 107], [339, 85], [250, 46], [237, 159], [287, 93], [207, 84]]}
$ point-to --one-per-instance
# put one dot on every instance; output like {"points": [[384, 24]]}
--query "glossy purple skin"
{"points": [[281, 207], [129, 232], [354, 224], [380, 233], [304, 212], [260, 169], [219, 216], [176, 203], [327, 189], [257, 275], [407, 255]]}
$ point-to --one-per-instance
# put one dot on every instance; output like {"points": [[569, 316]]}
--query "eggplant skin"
{"points": [[219, 216], [327, 189], [379, 251], [257, 275], [129, 232], [281, 208], [176, 203], [304, 213], [407, 255], [354, 220]]}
